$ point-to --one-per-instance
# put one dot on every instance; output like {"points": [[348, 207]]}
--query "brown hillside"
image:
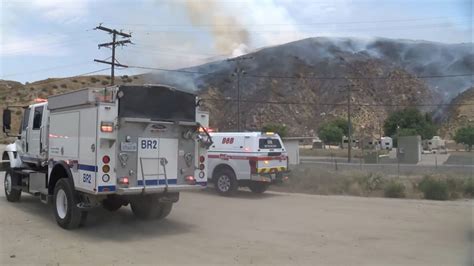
{"points": [[14, 93], [460, 113]]}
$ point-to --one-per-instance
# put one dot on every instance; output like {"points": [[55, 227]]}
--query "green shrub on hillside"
{"points": [[469, 187], [434, 189], [394, 189], [370, 182]]}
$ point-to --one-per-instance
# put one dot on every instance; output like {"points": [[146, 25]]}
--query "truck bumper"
{"points": [[277, 177], [157, 189]]}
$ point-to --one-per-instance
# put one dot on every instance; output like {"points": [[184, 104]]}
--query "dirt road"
{"points": [[275, 228]]}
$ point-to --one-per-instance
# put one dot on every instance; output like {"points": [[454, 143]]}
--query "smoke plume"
{"points": [[227, 32]]}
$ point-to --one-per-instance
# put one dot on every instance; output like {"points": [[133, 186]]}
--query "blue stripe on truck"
{"points": [[106, 188], [85, 167]]}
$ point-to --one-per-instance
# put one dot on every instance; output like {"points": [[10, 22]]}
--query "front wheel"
{"points": [[258, 187], [65, 201], [11, 180]]}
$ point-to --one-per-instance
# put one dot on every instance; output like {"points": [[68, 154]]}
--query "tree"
{"points": [[465, 135], [411, 122], [330, 133], [281, 130], [342, 124]]}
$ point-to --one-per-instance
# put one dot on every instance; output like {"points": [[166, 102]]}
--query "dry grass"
{"points": [[356, 153], [315, 179]]}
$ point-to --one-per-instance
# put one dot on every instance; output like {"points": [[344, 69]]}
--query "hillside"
{"points": [[288, 65], [304, 83], [460, 114], [14, 93]]}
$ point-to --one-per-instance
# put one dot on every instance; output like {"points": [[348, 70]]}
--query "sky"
{"points": [[56, 38]]}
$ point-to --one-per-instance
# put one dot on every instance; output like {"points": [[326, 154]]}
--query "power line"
{"points": [[280, 31], [288, 24], [58, 79], [308, 77], [334, 104], [47, 69]]}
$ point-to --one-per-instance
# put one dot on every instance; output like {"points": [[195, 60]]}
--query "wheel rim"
{"points": [[8, 183], [223, 183], [61, 204]]}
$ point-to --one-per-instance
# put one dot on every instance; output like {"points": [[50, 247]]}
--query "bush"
{"points": [[104, 82], [370, 182], [434, 189], [75, 80], [63, 85], [55, 86], [94, 79], [455, 187], [394, 189], [469, 188]]}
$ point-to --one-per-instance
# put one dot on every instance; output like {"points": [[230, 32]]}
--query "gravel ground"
{"points": [[274, 228]]}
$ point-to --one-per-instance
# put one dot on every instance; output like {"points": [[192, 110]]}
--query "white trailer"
{"points": [[110, 147], [246, 159], [386, 143]]}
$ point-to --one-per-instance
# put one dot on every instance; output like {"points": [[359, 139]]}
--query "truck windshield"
{"points": [[157, 103], [269, 143]]}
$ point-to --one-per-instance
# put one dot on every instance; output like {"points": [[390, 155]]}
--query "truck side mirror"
{"points": [[7, 120]]}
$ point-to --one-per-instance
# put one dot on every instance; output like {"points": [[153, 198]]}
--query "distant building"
{"points": [[292, 146], [409, 149]]}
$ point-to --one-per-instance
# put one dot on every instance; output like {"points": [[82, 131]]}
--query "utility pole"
{"points": [[113, 44], [238, 72], [349, 121]]}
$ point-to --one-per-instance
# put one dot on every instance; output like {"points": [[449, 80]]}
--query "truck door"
{"points": [[24, 130], [34, 131]]}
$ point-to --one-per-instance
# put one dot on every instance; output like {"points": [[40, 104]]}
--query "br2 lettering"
{"points": [[149, 144], [86, 178]]}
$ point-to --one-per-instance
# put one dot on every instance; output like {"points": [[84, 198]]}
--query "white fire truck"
{"points": [[110, 147], [248, 159]]}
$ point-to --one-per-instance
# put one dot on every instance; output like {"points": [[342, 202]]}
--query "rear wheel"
{"points": [[149, 207], [112, 203], [65, 201], [258, 187], [11, 180], [165, 209], [225, 182]]}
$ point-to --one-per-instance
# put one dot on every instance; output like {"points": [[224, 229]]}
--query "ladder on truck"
{"points": [[161, 161]]}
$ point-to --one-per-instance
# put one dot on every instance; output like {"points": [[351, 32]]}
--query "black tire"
{"points": [[148, 207], [258, 187], [12, 194], [165, 209], [225, 182], [69, 216], [112, 203]]}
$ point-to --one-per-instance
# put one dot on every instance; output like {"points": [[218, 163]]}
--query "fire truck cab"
{"points": [[248, 159], [110, 147]]}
